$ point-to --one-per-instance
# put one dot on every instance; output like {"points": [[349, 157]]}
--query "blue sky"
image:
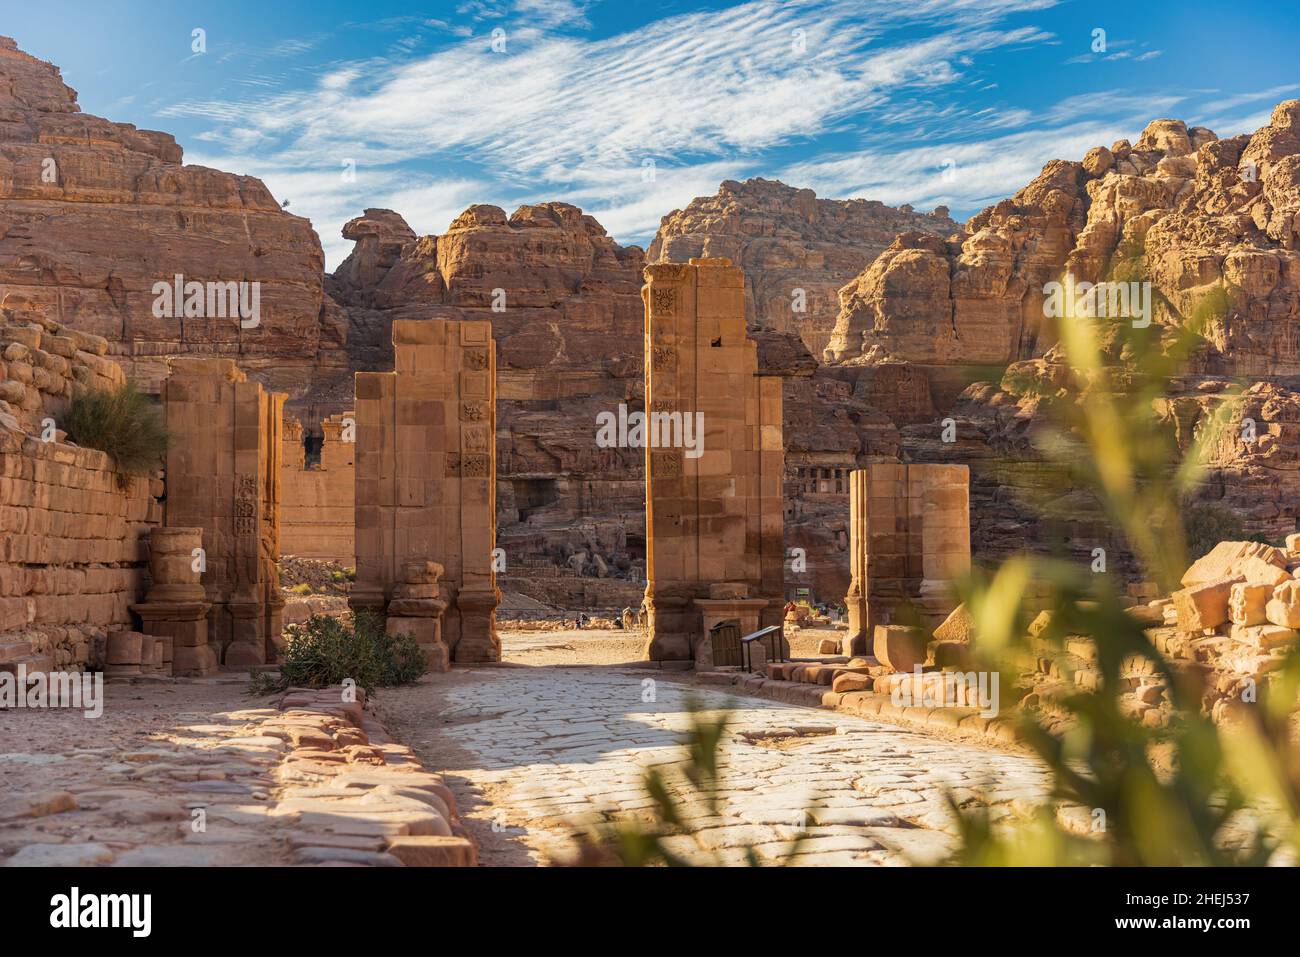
{"points": [[630, 110]]}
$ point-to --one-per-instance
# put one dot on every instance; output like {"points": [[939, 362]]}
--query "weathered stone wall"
{"points": [[73, 532], [317, 503]]}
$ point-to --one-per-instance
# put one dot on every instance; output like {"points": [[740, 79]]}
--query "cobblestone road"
{"points": [[545, 751]]}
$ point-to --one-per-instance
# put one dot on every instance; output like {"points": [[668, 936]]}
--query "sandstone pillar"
{"points": [[945, 537], [175, 608], [416, 610], [909, 542], [426, 478], [223, 476], [713, 508]]}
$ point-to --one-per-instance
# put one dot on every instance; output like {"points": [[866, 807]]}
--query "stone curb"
{"points": [[966, 722], [353, 795]]}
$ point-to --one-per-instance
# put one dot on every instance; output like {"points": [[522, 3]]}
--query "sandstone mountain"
{"points": [[786, 239], [1210, 223], [94, 213]]}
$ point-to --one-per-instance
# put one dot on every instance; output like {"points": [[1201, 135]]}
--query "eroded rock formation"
{"points": [[565, 306], [78, 191], [796, 250], [1209, 223]]}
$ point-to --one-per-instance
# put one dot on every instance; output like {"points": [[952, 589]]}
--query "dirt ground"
{"points": [[614, 646]]}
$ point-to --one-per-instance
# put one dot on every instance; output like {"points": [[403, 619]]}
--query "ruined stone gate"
{"points": [[715, 546], [426, 489]]}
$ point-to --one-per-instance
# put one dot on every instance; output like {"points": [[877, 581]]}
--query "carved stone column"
{"points": [[174, 608]]}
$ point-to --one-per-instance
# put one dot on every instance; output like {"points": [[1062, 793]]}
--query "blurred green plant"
{"points": [[325, 651], [675, 790], [124, 422], [1148, 795]]}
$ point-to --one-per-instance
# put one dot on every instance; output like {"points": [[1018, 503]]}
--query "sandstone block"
{"points": [[1258, 571], [899, 646], [1284, 607], [1246, 602], [126, 647], [1225, 559], [433, 851], [956, 627], [1203, 605], [951, 654], [849, 681]]}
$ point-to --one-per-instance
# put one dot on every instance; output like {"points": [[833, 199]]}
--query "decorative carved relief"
{"points": [[665, 357], [475, 465], [472, 412], [664, 300], [476, 359], [665, 464], [246, 504]]}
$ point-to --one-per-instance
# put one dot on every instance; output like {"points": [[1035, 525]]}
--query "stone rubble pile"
{"points": [[1230, 626]]}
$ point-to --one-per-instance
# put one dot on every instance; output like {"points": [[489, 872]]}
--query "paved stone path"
{"points": [[192, 772], [543, 752]]}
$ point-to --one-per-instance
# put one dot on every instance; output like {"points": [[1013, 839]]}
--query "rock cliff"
{"points": [[796, 250], [93, 213], [1195, 227]]}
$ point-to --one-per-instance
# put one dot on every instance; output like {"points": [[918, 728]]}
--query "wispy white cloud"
{"points": [[1270, 96], [703, 96]]}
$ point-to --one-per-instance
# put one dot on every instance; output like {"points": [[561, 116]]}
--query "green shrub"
{"points": [[302, 589], [124, 422], [324, 651], [1207, 525]]}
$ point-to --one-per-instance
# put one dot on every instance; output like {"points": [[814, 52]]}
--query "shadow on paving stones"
{"points": [[499, 845], [124, 789]]}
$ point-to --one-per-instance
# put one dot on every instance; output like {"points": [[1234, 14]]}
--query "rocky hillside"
{"points": [[786, 239], [94, 213], [1210, 223]]}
